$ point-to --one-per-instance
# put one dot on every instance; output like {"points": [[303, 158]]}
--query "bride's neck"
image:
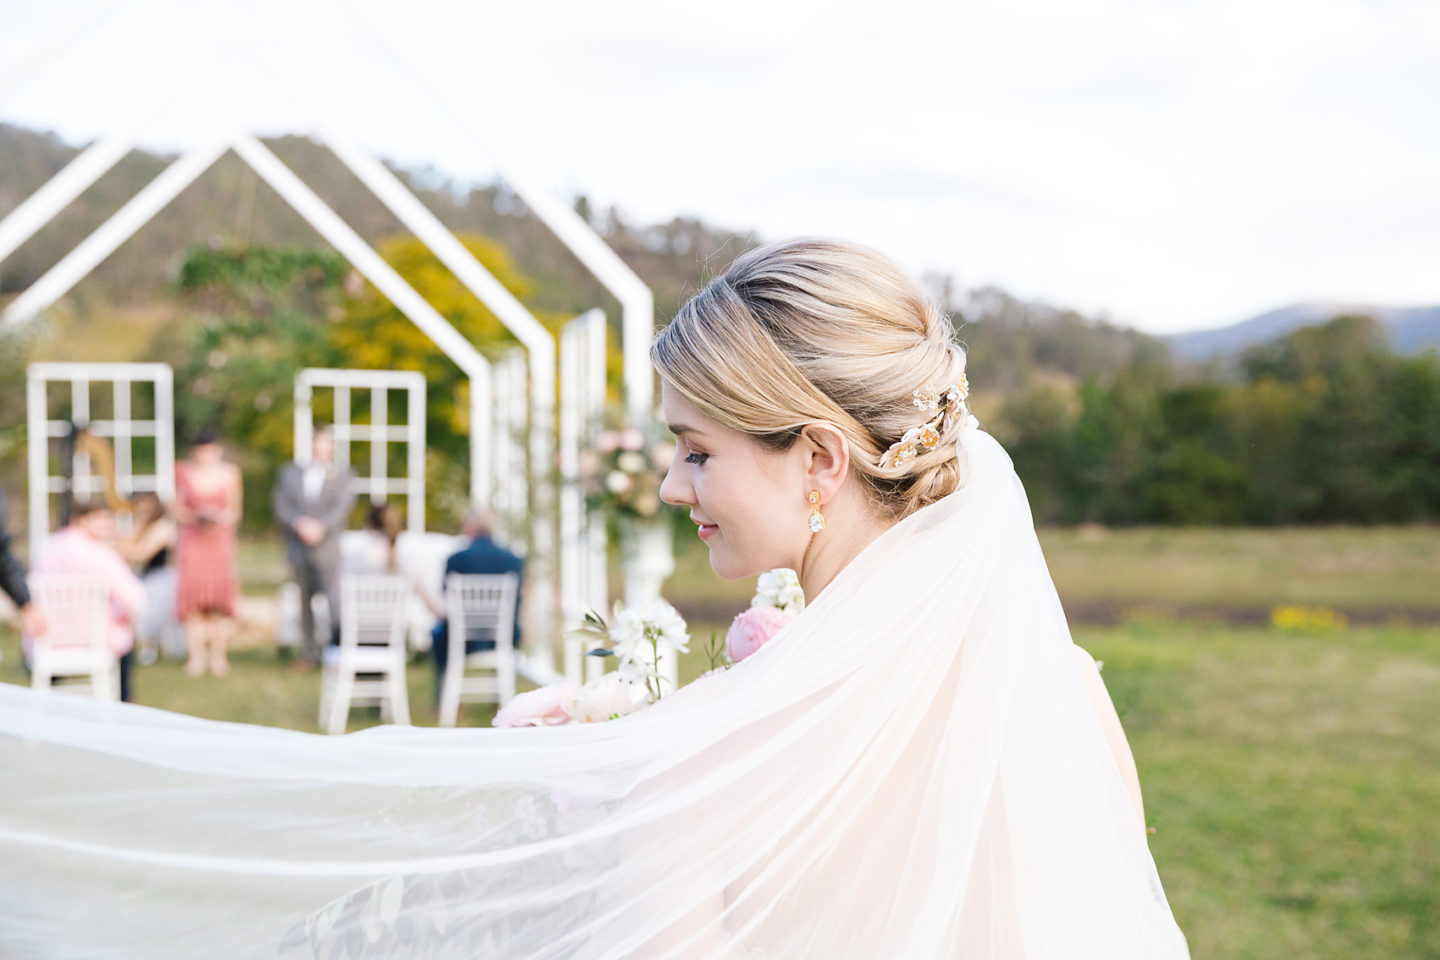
{"points": [[851, 524]]}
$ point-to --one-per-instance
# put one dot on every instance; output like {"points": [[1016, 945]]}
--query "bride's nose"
{"points": [[674, 490]]}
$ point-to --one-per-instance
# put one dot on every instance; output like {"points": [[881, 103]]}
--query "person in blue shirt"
{"points": [[482, 555]]}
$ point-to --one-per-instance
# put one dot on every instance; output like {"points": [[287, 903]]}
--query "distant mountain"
{"points": [[1411, 329]]}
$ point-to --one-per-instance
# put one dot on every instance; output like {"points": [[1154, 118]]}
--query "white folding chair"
{"points": [[372, 641], [421, 557], [479, 607], [77, 617]]}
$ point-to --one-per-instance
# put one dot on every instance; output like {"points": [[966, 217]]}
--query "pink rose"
{"points": [[752, 629], [632, 438], [608, 441], [544, 707]]}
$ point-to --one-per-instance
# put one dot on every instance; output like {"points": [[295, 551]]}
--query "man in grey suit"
{"points": [[313, 503]]}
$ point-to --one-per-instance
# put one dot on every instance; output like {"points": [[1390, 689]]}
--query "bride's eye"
{"points": [[697, 458]]}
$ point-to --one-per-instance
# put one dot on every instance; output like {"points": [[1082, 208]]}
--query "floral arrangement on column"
{"points": [[622, 475]]}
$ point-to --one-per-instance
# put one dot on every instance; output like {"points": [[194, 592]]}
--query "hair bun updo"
{"points": [[810, 330]]}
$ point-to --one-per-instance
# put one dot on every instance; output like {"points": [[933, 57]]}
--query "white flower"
{"points": [[635, 672], [641, 634], [631, 462], [663, 622], [779, 588], [618, 481], [607, 696], [626, 632]]}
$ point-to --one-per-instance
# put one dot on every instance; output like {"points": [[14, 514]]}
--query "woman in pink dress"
{"points": [[207, 507]]}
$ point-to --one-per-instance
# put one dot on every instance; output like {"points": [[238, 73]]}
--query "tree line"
{"points": [[1324, 425]]}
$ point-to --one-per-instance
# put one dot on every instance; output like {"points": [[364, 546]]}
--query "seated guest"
{"points": [[374, 548], [82, 549], [483, 555], [148, 550]]}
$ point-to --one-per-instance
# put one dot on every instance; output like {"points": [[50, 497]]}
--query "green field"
{"points": [[1293, 781], [1381, 572], [1292, 776]]}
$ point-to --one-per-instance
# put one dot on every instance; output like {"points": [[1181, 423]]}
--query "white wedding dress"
{"points": [[911, 769]]}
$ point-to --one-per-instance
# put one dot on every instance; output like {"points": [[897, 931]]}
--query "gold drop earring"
{"points": [[817, 521]]}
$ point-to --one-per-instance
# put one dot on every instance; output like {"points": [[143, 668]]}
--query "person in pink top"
{"points": [[208, 498], [82, 549]]}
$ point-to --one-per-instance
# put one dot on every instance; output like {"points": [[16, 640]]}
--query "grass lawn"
{"points": [[1382, 569], [1293, 781], [1386, 570]]}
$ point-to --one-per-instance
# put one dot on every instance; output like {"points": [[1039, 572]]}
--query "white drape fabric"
{"points": [[911, 769]]}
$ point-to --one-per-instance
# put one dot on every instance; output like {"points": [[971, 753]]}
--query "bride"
{"points": [[922, 764]]}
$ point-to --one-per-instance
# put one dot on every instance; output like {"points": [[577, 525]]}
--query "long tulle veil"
{"points": [[910, 769]]}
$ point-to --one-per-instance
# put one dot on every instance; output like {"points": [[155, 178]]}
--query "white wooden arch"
{"points": [[152, 198], [637, 304], [583, 570]]}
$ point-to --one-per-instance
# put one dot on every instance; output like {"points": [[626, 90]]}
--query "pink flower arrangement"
{"points": [[544, 707], [622, 474], [558, 703], [752, 629]]}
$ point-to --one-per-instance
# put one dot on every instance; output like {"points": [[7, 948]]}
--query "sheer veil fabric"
{"points": [[911, 769]]}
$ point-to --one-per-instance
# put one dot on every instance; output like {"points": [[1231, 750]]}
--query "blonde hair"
{"points": [[811, 330]]}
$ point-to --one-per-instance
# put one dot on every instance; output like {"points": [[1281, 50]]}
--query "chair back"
{"points": [[77, 613], [481, 606], [373, 610]]}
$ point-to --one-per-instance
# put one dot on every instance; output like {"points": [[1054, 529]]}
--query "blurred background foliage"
{"points": [[1323, 425], [1326, 424]]}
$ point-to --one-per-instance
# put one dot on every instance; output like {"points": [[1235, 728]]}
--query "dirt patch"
{"points": [[1109, 613]]}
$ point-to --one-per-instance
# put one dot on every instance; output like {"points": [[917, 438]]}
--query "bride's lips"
{"points": [[707, 530]]}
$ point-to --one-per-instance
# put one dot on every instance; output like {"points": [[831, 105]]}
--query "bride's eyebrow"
{"points": [[679, 428]]}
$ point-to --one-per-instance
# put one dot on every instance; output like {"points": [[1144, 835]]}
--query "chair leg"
{"points": [[399, 698], [340, 701], [450, 694], [505, 679], [107, 682], [327, 685]]}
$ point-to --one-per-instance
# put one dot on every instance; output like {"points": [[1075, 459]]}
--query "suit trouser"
{"points": [[316, 574]]}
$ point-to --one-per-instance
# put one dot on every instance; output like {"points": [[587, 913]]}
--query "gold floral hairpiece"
{"points": [[937, 405]]}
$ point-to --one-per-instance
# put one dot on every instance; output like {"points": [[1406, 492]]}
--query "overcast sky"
{"points": [[1173, 164]]}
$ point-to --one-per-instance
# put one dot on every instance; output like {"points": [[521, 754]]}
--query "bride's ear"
{"points": [[828, 458]]}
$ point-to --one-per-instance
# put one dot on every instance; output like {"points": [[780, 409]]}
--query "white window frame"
{"points": [[121, 429], [374, 482]]}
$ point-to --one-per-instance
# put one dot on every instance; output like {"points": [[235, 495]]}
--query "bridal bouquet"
{"points": [[638, 638], [778, 598]]}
